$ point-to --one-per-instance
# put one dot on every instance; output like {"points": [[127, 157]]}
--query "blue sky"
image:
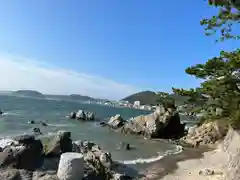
{"points": [[103, 48]]}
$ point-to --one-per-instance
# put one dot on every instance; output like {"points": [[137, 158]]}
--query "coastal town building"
{"points": [[137, 104]]}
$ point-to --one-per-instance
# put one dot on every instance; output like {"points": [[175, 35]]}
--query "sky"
{"points": [[103, 48]]}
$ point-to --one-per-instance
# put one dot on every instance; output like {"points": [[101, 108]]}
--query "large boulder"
{"points": [[82, 115], [31, 155], [207, 133], [164, 123], [27, 154], [98, 163], [61, 143], [116, 121]]}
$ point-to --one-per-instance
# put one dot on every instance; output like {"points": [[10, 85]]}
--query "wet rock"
{"points": [[98, 163], [61, 143], [90, 116], [103, 124], [125, 146], [36, 130], [43, 123], [31, 122], [116, 121], [85, 146], [105, 159], [81, 115], [10, 174], [72, 115]]}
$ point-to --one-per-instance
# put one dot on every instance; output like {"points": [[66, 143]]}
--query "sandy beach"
{"points": [[188, 165]]}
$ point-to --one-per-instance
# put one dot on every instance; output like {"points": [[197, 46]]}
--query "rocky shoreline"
{"points": [[26, 158], [164, 123]]}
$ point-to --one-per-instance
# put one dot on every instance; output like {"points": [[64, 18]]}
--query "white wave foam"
{"points": [[178, 149], [60, 125], [7, 142], [10, 114]]}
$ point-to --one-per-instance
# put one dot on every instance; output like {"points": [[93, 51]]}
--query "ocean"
{"points": [[18, 111]]}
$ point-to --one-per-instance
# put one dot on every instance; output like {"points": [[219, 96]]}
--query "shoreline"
{"points": [[186, 165], [168, 164]]}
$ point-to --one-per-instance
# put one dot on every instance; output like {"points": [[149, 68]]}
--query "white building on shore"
{"points": [[137, 104]]}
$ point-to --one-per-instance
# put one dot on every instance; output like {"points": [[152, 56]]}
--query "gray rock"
{"points": [[25, 139], [90, 116], [7, 159], [105, 159], [86, 146], [26, 175], [31, 156], [118, 176], [72, 115], [36, 130], [43, 123], [125, 146], [116, 121], [157, 125], [61, 143], [10, 174], [81, 115], [31, 122], [38, 175]]}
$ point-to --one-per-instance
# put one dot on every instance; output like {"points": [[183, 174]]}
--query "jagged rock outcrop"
{"points": [[116, 121], [207, 133], [82, 115], [27, 154], [23, 159], [163, 123]]}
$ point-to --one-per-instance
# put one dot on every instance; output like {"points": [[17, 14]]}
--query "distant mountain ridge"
{"points": [[145, 97], [150, 98], [28, 93], [36, 94]]}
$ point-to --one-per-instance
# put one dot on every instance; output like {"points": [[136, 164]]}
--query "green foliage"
{"points": [[223, 22], [220, 86], [165, 99], [220, 75]]}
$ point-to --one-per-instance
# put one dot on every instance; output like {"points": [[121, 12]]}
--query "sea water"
{"points": [[18, 111]]}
